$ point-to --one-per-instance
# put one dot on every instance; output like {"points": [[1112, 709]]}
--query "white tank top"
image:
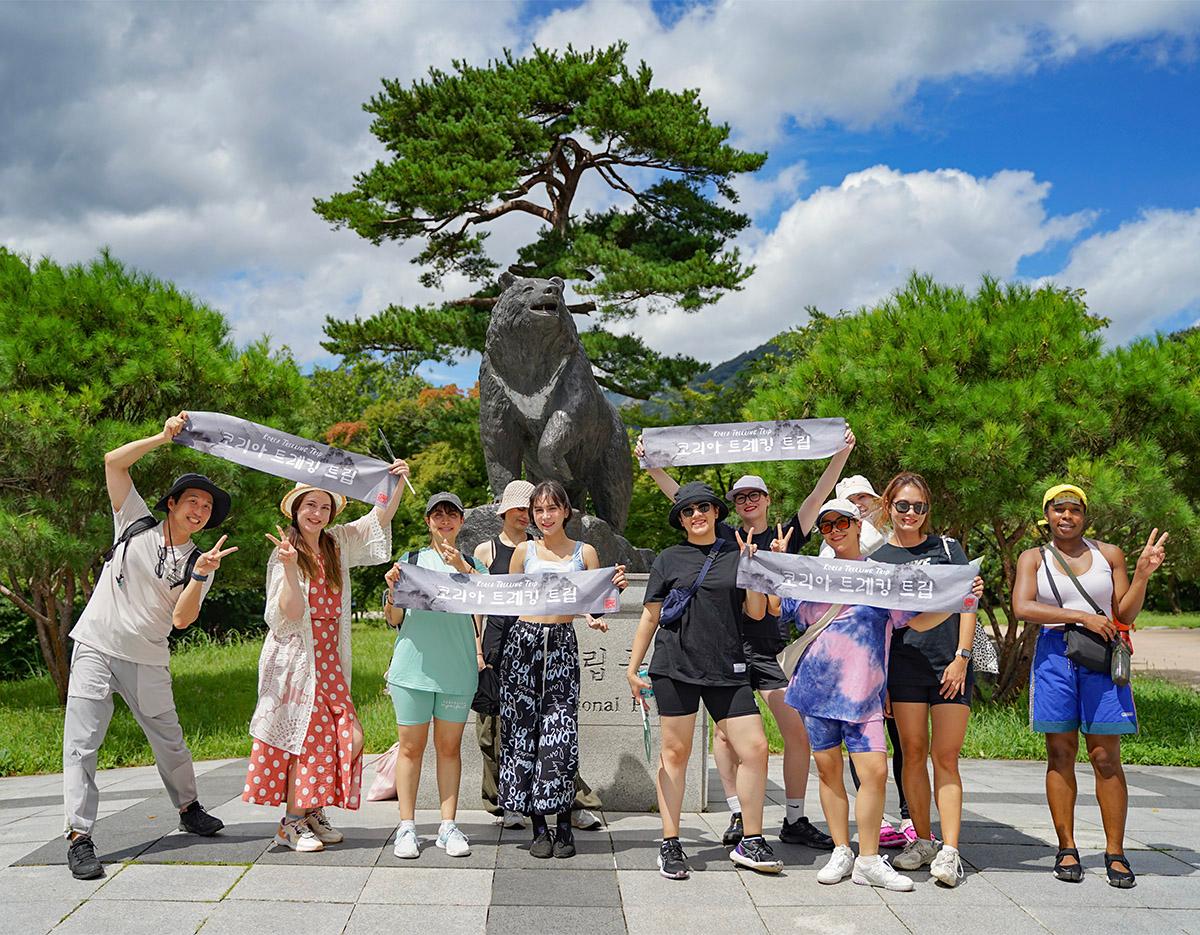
{"points": [[1097, 581]]}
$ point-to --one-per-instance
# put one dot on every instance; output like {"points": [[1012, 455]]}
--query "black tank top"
{"points": [[502, 556]]}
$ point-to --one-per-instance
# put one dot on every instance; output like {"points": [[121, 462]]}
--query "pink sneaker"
{"points": [[908, 831], [890, 837]]}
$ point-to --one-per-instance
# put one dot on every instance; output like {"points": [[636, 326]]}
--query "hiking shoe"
{"points": [[298, 835], [841, 862], [542, 846], [947, 868], [196, 820], [916, 854], [876, 871], [82, 859], [325, 832], [513, 821], [890, 837], [564, 845], [453, 841], [802, 831], [584, 820], [407, 846], [672, 861], [755, 853], [734, 832]]}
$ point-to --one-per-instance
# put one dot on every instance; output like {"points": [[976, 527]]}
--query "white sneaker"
{"points": [[453, 841], [512, 820], [298, 835], [407, 846], [947, 867], [841, 861], [876, 871], [584, 820], [916, 854], [325, 832]]}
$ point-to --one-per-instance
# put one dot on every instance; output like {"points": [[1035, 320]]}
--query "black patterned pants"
{"points": [[539, 718]]}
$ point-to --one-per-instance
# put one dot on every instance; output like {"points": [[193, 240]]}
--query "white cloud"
{"points": [[850, 245], [1141, 274]]}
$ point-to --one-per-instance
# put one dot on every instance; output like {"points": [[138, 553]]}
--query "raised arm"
{"points": [[385, 511], [118, 461], [806, 516], [1128, 597], [666, 483]]}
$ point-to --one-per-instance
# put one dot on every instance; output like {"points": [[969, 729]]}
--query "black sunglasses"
{"points": [[903, 506], [826, 526], [702, 508]]}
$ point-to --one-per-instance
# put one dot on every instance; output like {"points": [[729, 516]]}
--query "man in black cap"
{"points": [[153, 581]]}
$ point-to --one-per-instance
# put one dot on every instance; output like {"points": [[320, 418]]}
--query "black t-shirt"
{"points": [[768, 633], [704, 647], [920, 658]]}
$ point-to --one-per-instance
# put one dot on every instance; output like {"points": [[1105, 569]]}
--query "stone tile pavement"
{"points": [[162, 882]]}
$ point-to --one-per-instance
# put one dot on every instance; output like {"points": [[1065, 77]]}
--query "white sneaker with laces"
{"points": [[584, 820], [841, 861], [512, 820], [325, 832], [916, 854], [453, 841], [876, 871], [947, 867], [298, 836], [407, 846]]}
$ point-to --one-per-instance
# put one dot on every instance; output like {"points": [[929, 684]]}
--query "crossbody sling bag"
{"points": [[1085, 648], [793, 652], [676, 602]]}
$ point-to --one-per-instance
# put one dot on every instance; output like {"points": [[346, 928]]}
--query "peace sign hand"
{"points": [[210, 561], [780, 542], [746, 546], [1153, 555], [284, 549]]}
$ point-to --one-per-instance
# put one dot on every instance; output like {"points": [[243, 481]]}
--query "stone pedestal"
{"points": [[611, 750]]}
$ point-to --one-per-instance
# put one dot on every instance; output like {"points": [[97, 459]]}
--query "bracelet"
{"points": [[196, 577]]}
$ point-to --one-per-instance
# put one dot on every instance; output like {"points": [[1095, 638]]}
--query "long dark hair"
{"points": [[326, 545], [553, 491]]}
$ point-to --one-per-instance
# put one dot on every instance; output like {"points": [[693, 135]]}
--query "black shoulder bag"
{"points": [[676, 602], [1085, 648]]}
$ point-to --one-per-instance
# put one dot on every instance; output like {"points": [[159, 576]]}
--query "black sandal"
{"points": [[1121, 879], [1070, 873]]}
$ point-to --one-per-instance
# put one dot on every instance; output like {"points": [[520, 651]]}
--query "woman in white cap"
{"points": [[858, 490], [763, 640], [432, 678], [307, 747]]}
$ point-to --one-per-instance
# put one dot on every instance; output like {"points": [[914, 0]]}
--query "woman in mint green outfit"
{"points": [[433, 676]]}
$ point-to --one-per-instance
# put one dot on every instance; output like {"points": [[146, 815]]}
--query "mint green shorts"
{"points": [[415, 706]]}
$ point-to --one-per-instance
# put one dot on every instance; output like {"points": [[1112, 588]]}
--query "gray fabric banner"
{"points": [[841, 581], [274, 452], [543, 594], [731, 442]]}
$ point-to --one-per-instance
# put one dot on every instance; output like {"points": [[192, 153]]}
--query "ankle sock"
{"points": [[289, 818], [408, 824], [734, 804], [795, 810], [446, 825]]}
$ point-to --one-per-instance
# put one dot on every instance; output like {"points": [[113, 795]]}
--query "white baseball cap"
{"points": [[853, 486], [838, 505], [747, 482]]}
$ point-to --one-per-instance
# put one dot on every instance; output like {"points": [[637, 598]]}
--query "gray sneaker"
{"points": [[916, 854]]}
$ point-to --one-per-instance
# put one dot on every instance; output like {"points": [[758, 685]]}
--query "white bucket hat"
{"points": [[516, 496], [852, 486]]}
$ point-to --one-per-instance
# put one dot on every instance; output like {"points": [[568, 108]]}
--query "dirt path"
{"points": [[1167, 653]]}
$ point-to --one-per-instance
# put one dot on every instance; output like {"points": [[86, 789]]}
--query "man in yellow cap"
{"points": [[1080, 584]]}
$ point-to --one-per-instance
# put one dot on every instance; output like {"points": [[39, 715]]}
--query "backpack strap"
{"points": [[412, 557], [136, 528]]}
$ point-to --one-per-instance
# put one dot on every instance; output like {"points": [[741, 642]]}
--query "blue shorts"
{"points": [[825, 733], [415, 706], [1064, 697]]}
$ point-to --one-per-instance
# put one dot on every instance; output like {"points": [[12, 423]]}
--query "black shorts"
{"points": [[931, 694], [679, 699], [762, 668]]}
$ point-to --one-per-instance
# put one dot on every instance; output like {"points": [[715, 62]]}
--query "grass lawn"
{"points": [[216, 689]]}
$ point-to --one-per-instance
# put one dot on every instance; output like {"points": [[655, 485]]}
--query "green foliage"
{"points": [[93, 356], [472, 145], [992, 397]]}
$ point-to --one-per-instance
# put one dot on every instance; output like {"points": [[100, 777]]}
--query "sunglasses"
{"points": [[841, 524], [903, 506], [752, 496], [702, 508]]}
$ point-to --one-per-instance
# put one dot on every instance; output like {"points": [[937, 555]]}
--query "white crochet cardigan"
{"points": [[287, 665]]}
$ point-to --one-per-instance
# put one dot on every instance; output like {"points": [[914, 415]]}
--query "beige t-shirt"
{"points": [[129, 615]]}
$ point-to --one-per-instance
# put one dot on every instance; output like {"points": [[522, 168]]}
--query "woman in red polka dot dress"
{"points": [[307, 747]]}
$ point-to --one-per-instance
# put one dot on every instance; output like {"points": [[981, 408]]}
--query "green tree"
{"points": [[92, 356], [520, 137], [992, 397]]}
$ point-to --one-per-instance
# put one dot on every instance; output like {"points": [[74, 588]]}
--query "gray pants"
{"points": [[95, 676]]}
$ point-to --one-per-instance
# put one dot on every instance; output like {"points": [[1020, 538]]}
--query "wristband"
{"points": [[196, 577]]}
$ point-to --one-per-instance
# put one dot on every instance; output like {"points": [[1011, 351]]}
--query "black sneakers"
{"points": [[82, 859], [733, 833], [542, 846], [756, 854], [802, 831], [196, 820], [564, 844], [672, 861]]}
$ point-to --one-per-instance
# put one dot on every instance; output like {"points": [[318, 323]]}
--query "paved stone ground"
{"points": [[162, 882]]}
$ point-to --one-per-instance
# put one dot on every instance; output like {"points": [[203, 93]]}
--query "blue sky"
{"points": [[1019, 139]]}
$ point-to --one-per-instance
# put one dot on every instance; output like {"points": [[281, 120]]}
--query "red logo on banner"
{"points": [[381, 498], [610, 604], [969, 602]]}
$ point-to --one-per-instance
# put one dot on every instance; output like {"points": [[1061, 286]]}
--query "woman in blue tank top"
{"points": [[539, 685]]}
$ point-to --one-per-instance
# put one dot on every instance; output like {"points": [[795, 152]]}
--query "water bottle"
{"points": [[644, 675]]}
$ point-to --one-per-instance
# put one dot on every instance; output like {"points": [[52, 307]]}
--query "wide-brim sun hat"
{"points": [[689, 495], [852, 486], [221, 500], [516, 496], [747, 482], [1064, 493], [301, 488], [839, 505]]}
